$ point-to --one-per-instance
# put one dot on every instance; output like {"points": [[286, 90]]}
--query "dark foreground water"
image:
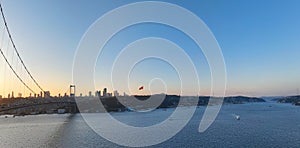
{"points": [[261, 125]]}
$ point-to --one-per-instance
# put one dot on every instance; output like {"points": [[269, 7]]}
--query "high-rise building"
{"points": [[124, 94], [116, 93], [104, 92], [98, 93], [19, 95], [46, 94]]}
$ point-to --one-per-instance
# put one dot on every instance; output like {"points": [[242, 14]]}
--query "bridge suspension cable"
{"points": [[10, 66], [19, 57]]}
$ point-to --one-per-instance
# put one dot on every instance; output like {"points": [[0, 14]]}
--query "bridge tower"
{"points": [[72, 90]]}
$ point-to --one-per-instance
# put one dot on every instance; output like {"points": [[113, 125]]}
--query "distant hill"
{"points": [[173, 100], [242, 99], [272, 98], [203, 100], [290, 99], [170, 101]]}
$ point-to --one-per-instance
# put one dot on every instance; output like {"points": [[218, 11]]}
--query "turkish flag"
{"points": [[141, 88]]}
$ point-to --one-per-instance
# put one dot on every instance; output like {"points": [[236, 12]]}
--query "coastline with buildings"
{"points": [[44, 103]]}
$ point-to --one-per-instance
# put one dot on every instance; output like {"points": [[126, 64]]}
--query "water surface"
{"points": [[262, 125]]}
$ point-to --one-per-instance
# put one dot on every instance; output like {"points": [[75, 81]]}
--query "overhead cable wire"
{"points": [[14, 46]]}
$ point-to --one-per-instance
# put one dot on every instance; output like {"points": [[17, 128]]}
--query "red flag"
{"points": [[141, 88]]}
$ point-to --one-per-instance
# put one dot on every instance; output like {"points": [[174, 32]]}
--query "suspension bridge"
{"points": [[20, 90]]}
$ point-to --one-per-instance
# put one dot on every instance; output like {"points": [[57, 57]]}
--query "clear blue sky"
{"points": [[260, 41]]}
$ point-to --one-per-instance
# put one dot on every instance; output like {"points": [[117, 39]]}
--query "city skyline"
{"points": [[261, 48], [47, 94]]}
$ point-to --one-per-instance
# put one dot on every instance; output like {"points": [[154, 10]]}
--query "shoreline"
{"points": [[15, 107]]}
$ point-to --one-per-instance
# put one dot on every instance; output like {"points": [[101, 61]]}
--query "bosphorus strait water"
{"points": [[267, 124]]}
